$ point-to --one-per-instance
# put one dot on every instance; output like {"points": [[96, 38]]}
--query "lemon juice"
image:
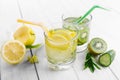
{"points": [[61, 47]]}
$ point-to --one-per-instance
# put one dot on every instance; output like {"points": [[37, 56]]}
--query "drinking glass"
{"points": [[60, 47], [83, 29]]}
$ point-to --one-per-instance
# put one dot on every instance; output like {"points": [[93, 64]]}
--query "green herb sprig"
{"points": [[33, 58], [90, 63], [33, 46]]}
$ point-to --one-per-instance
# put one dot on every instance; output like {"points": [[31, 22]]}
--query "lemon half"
{"points": [[25, 34], [13, 51]]}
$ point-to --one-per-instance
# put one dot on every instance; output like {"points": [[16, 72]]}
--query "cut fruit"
{"points": [[82, 28], [61, 46], [107, 58], [60, 39], [97, 46], [25, 34], [83, 36], [66, 33], [13, 51]]}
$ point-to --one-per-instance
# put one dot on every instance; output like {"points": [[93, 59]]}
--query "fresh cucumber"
{"points": [[106, 58], [112, 54]]}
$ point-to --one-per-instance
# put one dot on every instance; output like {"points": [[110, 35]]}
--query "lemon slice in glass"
{"points": [[66, 33], [60, 39], [57, 41], [13, 51]]}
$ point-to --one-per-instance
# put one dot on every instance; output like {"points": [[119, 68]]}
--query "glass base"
{"points": [[62, 66], [82, 48]]}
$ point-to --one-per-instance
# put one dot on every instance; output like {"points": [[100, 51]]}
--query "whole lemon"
{"points": [[25, 34]]}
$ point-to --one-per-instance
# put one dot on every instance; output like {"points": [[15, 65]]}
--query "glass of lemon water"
{"points": [[83, 29], [61, 48]]}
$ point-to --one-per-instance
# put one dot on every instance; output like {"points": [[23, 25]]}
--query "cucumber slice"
{"points": [[107, 58], [97, 46]]}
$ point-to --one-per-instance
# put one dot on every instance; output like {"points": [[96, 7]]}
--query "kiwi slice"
{"points": [[97, 46], [83, 35]]}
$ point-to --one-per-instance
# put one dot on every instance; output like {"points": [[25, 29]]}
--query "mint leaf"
{"points": [[34, 46], [90, 63]]}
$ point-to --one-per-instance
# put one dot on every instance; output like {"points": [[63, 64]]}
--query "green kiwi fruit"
{"points": [[83, 35], [97, 46], [82, 28]]}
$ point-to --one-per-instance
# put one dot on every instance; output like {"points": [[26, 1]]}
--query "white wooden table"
{"points": [[104, 24]]}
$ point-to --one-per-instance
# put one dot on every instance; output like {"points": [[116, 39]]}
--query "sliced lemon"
{"points": [[66, 33], [60, 38], [57, 41], [13, 51], [25, 34]]}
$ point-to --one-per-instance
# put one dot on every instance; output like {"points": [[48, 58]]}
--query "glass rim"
{"points": [[89, 17], [75, 37]]}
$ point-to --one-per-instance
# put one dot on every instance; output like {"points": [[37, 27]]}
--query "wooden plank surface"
{"points": [[44, 72], [9, 13], [77, 68], [104, 24], [109, 30]]}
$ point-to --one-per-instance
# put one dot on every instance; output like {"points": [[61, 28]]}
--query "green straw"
{"points": [[88, 12]]}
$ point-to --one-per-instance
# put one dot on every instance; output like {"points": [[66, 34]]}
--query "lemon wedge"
{"points": [[13, 51]]}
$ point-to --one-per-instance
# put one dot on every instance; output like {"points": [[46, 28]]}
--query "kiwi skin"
{"points": [[95, 53]]}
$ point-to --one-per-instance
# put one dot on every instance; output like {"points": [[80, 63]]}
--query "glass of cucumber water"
{"points": [[60, 47], [83, 29]]}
